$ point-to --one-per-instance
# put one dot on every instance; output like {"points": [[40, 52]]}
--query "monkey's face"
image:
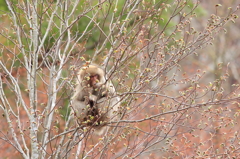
{"points": [[93, 80]]}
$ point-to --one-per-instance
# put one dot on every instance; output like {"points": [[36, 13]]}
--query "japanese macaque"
{"points": [[95, 102]]}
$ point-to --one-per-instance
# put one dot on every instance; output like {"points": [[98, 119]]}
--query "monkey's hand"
{"points": [[100, 92], [98, 85]]}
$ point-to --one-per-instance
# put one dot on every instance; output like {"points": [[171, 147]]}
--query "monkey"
{"points": [[95, 101]]}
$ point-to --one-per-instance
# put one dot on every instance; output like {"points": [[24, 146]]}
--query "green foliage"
{"points": [[3, 6]]}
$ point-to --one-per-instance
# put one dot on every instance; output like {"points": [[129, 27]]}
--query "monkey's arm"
{"points": [[80, 109], [82, 93]]}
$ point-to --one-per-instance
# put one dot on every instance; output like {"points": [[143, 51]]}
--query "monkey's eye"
{"points": [[94, 78]]}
